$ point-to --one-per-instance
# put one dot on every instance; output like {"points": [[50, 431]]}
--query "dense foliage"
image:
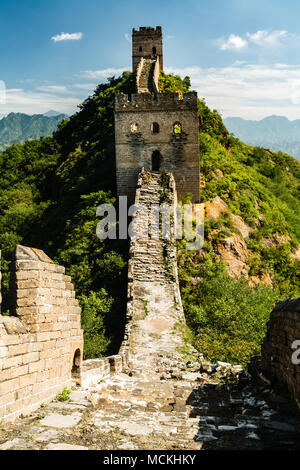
{"points": [[226, 316], [50, 189]]}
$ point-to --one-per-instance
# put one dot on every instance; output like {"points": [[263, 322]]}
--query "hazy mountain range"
{"points": [[273, 132], [15, 128]]}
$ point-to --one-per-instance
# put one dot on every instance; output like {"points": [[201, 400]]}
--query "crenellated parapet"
{"points": [[156, 102]]}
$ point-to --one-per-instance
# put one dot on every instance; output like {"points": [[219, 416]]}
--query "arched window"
{"points": [[155, 128], [156, 160], [154, 50], [177, 129], [140, 48], [76, 363], [134, 127]]}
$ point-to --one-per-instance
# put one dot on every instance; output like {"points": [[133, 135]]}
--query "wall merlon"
{"points": [[157, 102]]}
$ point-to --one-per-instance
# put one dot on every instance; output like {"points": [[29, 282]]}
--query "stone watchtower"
{"points": [[146, 43], [157, 131]]}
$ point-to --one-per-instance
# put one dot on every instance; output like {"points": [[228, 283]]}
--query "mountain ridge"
{"points": [[277, 133], [16, 128]]}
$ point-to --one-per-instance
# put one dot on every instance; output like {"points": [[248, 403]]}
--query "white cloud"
{"points": [[34, 102], [267, 38], [171, 37], [67, 37], [85, 86], [249, 91], [127, 37], [52, 88], [233, 43], [105, 73]]}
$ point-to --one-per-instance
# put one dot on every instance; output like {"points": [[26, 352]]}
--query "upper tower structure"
{"points": [[147, 43], [153, 130]]}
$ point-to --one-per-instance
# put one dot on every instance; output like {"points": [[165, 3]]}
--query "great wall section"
{"points": [[158, 392]]}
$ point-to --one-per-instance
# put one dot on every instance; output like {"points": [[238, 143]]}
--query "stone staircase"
{"points": [[145, 82]]}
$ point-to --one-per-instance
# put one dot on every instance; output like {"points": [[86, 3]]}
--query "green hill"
{"points": [[18, 127], [49, 191]]}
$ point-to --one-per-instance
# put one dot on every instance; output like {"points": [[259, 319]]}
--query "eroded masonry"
{"points": [[156, 131]]}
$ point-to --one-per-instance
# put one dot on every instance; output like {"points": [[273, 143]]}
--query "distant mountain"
{"points": [[15, 128], [273, 132], [52, 113]]}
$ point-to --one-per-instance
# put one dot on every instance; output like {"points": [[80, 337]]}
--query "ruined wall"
{"points": [[143, 41], [43, 342], [154, 306], [277, 351], [136, 141]]}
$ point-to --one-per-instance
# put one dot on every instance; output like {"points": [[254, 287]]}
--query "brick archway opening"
{"points": [[76, 363], [156, 160]]}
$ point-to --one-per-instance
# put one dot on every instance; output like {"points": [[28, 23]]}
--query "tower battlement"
{"points": [[147, 43], [146, 30], [159, 102]]}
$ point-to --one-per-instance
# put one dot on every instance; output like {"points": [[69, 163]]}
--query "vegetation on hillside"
{"points": [[50, 189], [18, 127]]}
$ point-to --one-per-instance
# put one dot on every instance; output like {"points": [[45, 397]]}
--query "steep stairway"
{"points": [[145, 82]]}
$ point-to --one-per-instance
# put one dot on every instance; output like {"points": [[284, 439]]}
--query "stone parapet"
{"points": [[279, 351]]}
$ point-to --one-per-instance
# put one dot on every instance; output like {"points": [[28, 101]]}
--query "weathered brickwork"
{"points": [[155, 131], [283, 330], [42, 341], [179, 151], [154, 303]]}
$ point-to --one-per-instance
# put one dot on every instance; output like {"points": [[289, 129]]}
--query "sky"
{"points": [[242, 55]]}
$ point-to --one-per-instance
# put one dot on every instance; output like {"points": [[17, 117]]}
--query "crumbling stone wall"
{"points": [[136, 141], [277, 351], [42, 342], [154, 306]]}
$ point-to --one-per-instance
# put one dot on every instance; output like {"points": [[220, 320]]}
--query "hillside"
{"points": [[50, 189], [274, 132], [17, 127]]}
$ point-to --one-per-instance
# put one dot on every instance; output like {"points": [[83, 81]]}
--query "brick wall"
{"points": [[277, 351], [179, 152], [39, 342]]}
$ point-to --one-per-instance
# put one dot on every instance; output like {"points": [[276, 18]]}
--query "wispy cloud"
{"points": [[67, 37], [34, 102], [102, 74], [232, 43], [127, 37], [249, 91], [85, 86], [52, 88], [261, 38]]}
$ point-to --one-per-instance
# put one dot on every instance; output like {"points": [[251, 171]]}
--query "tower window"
{"points": [[140, 49], [155, 128], [134, 127], [156, 160], [177, 128], [154, 50]]}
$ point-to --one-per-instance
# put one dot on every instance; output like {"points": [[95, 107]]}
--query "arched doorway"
{"points": [[156, 160], [76, 363]]}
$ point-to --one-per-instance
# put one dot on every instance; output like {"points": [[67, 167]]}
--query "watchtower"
{"points": [[157, 131], [147, 43]]}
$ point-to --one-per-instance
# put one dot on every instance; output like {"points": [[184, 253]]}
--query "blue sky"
{"points": [[242, 55]]}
